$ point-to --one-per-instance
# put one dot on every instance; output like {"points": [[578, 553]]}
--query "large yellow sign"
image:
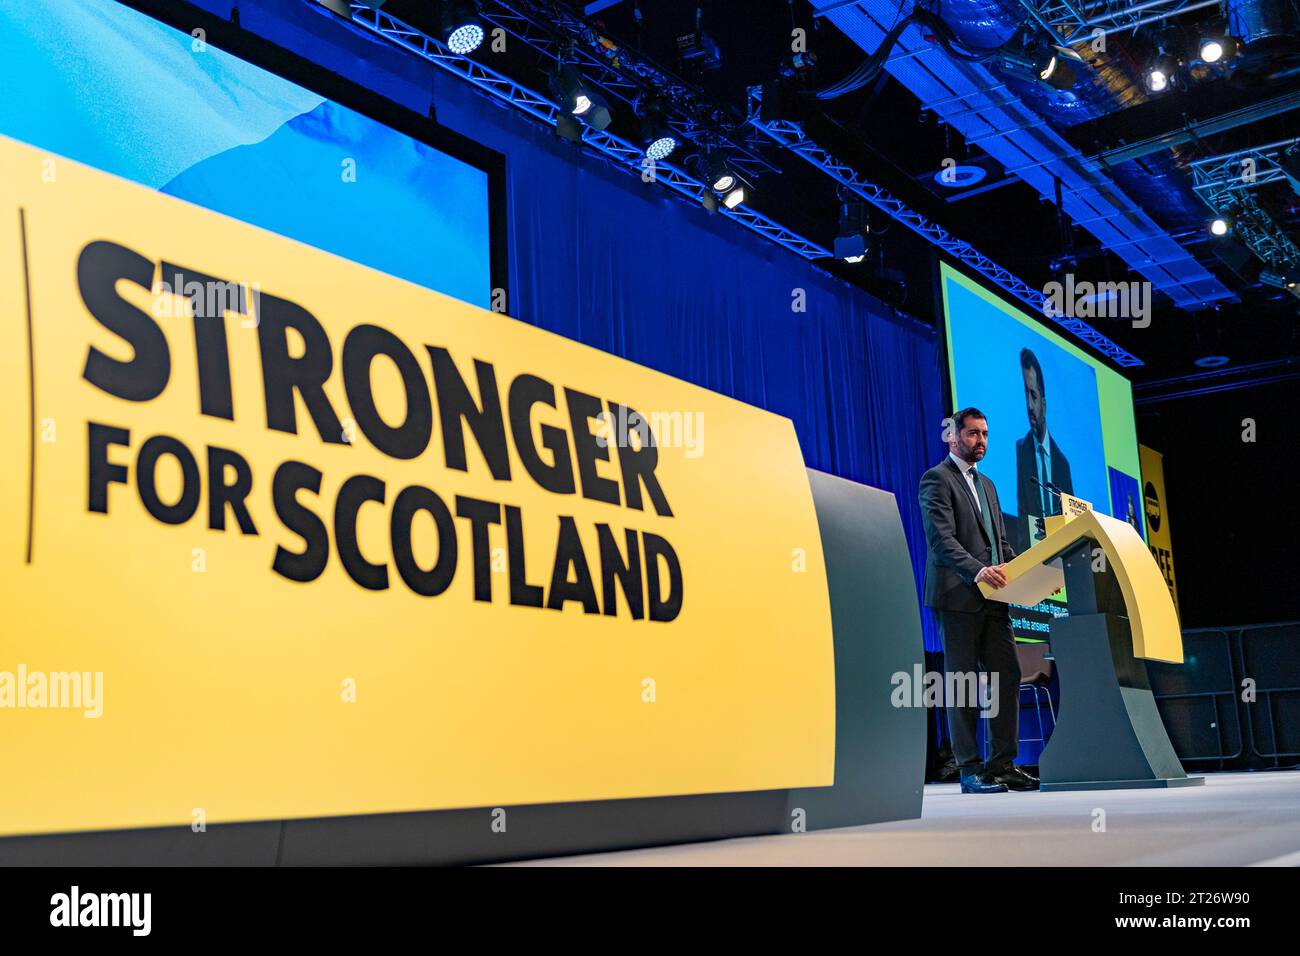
{"points": [[282, 536]]}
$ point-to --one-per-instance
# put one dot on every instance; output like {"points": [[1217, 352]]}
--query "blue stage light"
{"points": [[657, 137], [661, 148], [465, 39], [461, 28]]}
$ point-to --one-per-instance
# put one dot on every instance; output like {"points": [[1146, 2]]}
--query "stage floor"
{"points": [[1235, 819]]}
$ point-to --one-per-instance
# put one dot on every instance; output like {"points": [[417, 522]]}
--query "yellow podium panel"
{"points": [[1036, 573], [282, 536]]}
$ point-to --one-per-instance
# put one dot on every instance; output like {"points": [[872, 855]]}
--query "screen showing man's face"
{"points": [[1035, 406]]}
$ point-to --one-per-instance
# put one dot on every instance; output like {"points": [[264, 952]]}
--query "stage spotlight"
{"points": [[1056, 67], [1220, 226], [1215, 48], [1047, 67], [724, 183], [721, 179], [734, 197], [598, 116], [1161, 73], [576, 98], [717, 174], [851, 237], [656, 136], [660, 147], [570, 91], [1051, 66], [462, 30]]}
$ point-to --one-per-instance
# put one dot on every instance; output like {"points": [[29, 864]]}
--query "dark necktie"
{"points": [[987, 514], [1042, 482]]}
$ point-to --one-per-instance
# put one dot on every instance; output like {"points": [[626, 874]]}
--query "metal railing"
{"points": [[1262, 722]]}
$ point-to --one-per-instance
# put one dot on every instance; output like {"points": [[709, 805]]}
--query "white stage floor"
{"points": [[1235, 819]]}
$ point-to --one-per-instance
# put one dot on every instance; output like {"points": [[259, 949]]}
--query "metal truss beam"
{"points": [[788, 135], [1243, 169], [1225, 182], [1218, 380], [561, 35], [791, 136], [1077, 20], [619, 151]]}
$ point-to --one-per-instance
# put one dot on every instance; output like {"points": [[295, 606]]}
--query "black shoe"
{"points": [[980, 783], [1013, 778], [949, 773]]}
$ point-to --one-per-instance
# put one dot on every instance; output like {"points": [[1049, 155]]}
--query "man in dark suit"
{"points": [[1038, 456], [967, 545]]}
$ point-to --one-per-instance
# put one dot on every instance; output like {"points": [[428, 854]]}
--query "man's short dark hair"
{"points": [[959, 418], [1029, 360]]}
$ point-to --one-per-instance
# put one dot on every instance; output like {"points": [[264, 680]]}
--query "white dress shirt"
{"points": [[964, 467]]}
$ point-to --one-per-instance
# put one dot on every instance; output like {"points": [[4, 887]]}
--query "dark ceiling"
{"points": [[883, 132]]}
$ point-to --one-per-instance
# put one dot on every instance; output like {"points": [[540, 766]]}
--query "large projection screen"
{"points": [[1055, 413], [105, 85]]}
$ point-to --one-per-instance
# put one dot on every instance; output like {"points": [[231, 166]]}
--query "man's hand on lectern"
{"points": [[993, 576]]}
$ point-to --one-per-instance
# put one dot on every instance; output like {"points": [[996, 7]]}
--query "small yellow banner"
{"points": [[1157, 516]]}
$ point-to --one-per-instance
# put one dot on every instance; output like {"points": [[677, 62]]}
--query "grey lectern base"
{"points": [[1108, 734]]}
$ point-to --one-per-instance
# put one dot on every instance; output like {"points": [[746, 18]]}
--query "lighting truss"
{"points": [[1217, 380], [622, 153], [791, 136], [1076, 21], [1243, 169], [1257, 230], [622, 72], [1225, 184]]}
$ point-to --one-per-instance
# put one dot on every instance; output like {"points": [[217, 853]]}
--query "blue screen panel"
{"points": [[112, 88]]}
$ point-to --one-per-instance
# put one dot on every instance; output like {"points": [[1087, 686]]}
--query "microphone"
{"points": [[1048, 486]]}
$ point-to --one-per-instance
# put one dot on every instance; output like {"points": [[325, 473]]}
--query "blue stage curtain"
{"points": [[599, 256], [602, 257]]}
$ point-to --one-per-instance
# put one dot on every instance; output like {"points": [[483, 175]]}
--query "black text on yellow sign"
{"points": [[642, 567]]}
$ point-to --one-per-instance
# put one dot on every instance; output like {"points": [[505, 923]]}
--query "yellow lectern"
{"points": [[1109, 734]]}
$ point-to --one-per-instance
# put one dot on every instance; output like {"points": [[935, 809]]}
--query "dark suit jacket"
{"points": [[1028, 500], [958, 546]]}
